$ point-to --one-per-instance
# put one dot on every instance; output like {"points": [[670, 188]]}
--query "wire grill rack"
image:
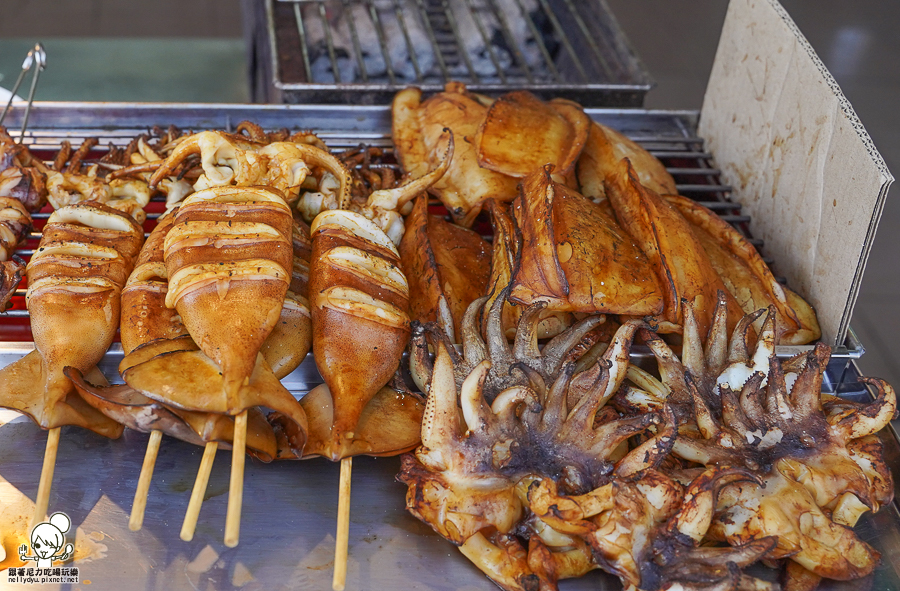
{"points": [[669, 135], [326, 51]]}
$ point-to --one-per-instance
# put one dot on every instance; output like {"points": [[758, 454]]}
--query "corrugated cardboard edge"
{"points": [[748, 157]]}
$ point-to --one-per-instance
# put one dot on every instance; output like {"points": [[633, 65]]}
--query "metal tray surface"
{"points": [[288, 521]]}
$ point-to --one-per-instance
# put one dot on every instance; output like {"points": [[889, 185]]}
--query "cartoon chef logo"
{"points": [[48, 542]]}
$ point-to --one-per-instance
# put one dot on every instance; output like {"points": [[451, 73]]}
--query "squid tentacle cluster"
{"points": [[537, 482], [739, 405]]}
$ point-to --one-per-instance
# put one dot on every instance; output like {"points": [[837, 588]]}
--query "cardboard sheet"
{"points": [[799, 159]]}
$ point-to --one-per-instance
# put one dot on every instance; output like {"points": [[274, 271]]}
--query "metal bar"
{"points": [[695, 171], [329, 42], [661, 139], [679, 154], [26, 65], [735, 219], [564, 39], [40, 61], [385, 53], [539, 41], [438, 54], [354, 36], [409, 45], [487, 42], [720, 205], [511, 41], [705, 188], [301, 29], [590, 38], [459, 42]]}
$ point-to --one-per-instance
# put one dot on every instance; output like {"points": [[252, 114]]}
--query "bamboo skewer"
{"points": [[236, 486], [193, 510], [343, 526], [143, 487], [43, 494]]}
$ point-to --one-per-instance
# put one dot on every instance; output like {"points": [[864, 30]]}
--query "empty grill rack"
{"points": [[364, 51], [669, 135]]}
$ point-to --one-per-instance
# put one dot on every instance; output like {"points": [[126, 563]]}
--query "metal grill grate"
{"points": [[670, 136], [327, 51]]}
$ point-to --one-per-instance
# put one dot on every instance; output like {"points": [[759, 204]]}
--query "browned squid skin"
{"points": [[575, 257], [75, 278], [504, 255], [448, 267], [521, 133], [679, 262], [747, 277], [145, 316], [359, 298], [604, 149], [240, 238], [418, 134], [11, 273], [132, 409], [291, 339]]}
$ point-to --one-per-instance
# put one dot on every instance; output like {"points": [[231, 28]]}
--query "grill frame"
{"points": [[614, 76]]}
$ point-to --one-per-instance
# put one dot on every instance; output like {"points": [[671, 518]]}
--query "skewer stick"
{"points": [[343, 526], [143, 487], [193, 510], [43, 493], [236, 486]]}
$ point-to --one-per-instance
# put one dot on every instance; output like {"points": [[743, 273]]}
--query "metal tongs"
{"points": [[36, 57]]}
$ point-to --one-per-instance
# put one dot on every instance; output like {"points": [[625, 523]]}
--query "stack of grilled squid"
{"points": [[539, 462]]}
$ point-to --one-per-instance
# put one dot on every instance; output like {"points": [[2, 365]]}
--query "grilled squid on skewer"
{"points": [[22, 176], [74, 282], [149, 329], [359, 298], [227, 261], [226, 257], [15, 223]]}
